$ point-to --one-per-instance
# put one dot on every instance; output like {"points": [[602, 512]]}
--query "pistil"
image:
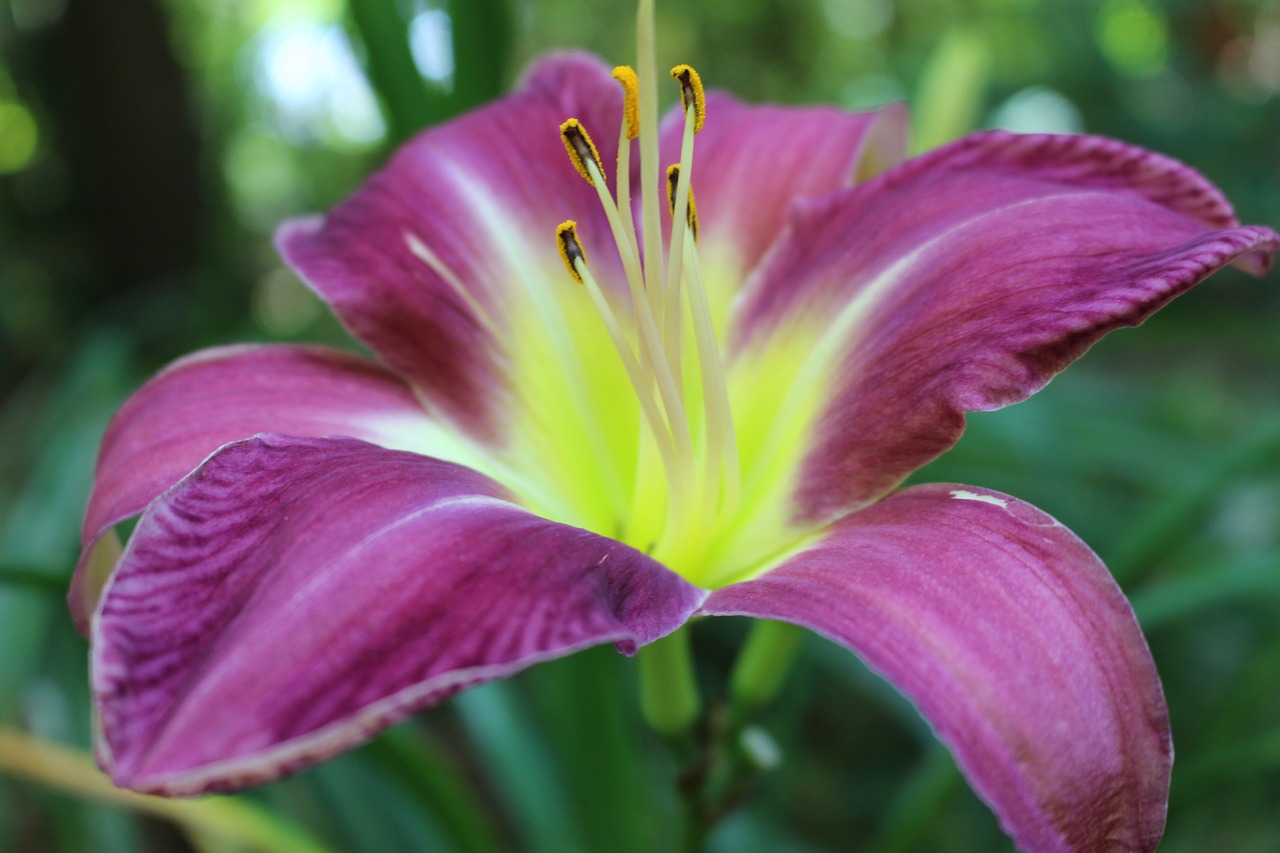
{"points": [[647, 67]]}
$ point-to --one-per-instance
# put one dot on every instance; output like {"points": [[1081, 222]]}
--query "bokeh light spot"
{"points": [[1038, 109], [262, 177], [310, 75], [1264, 58], [1133, 37], [282, 305], [33, 15], [431, 41], [19, 137], [872, 90], [858, 19]]}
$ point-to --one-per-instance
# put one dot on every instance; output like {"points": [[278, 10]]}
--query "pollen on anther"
{"points": [[691, 211], [580, 148], [691, 94], [626, 77], [570, 248]]}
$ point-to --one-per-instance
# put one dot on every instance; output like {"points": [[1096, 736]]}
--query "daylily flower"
{"points": [[537, 461]]}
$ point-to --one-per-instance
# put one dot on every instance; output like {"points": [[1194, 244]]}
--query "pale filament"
{"points": [[712, 494], [641, 385], [659, 367], [672, 325], [722, 439]]}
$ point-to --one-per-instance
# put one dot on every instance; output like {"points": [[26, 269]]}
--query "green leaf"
{"points": [[483, 37], [407, 103], [1165, 528], [1252, 580], [437, 786], [521, 768], [916, 808]]}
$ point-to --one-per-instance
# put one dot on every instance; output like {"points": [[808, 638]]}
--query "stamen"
{"points": [[692, 94], [570, 249], [582, 151], [702, 479], [691, 215], [626, 76], [722, 439], [695, 114], [671, 309], [572, 254], [722, 447], [575, 260], [664, 370]]}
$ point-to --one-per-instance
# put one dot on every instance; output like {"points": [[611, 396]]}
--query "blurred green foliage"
{"points": [[148, 148]]}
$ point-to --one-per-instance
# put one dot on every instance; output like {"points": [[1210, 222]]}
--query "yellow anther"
{"points": [[691, 94], [691, 214], [581, 149], [626, 76], [570, 248]]}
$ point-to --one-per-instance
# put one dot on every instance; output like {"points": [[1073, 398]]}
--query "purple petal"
{"points": [[435, 258], [293, 596], [1015, 644], [205, 400], [963, 281], [752, 162]]}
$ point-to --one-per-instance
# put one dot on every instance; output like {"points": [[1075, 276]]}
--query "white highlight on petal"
{"points": [[422, 252], [962, 495]]}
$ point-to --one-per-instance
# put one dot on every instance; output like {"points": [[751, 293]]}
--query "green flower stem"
{"points": [[694, 826], [719, 767], [669, 698], [229, 820], [725, 766], [762, 666]]}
